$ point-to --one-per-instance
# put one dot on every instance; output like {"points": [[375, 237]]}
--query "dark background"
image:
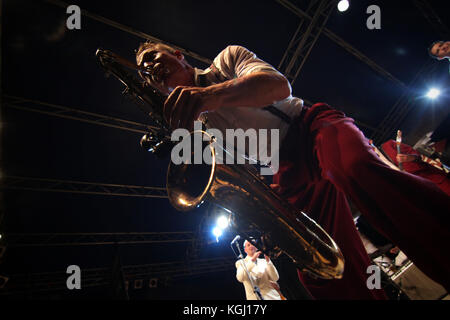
{"points": [[44, 61]]}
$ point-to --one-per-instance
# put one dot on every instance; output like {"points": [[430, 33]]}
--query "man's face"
{"points": [[441, 50], [167, 70], [249, 248]]}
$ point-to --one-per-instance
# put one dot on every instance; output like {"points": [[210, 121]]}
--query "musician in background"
{"points": [[263, 273], [323, 156], [440, 50], [412, 162]]}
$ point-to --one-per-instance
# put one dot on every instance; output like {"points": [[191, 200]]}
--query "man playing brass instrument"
{"points": [[324, 157]]}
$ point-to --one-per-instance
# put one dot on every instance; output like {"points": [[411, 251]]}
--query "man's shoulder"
{"points": [[234, 50], [235, 47], [238, 262]]}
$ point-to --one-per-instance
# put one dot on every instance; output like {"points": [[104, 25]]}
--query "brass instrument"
{"points": [[148, 99], [239, 189]]}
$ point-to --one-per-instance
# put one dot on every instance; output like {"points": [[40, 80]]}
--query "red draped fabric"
{"points": [[420, 168], [325, 158]]}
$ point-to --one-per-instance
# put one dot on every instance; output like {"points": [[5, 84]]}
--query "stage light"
{"points": [[433, 93], [217, 232], [222, 222], [343, 5]]}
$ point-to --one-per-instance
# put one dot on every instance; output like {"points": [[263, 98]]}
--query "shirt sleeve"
{"points": [[236, 61], [240, 272], [256, 271], [264, 267], [272, 271]]}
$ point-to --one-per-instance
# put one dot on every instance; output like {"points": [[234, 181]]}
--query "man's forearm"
{"points": [[272, 271], [258, 89]]}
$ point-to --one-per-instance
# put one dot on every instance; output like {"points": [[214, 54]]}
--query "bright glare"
{"points": [[182, 201], [222, 222], [217, 232], [433, 93], [343, 5]]}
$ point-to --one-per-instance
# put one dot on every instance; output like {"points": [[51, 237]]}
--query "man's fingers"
{"points": [[192, 112], [170, 102], [184, 116], [256, 255], [179, 109], [182, 107], [185, 109]]}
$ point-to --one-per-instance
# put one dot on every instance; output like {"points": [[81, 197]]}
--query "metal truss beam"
{"points": [[17, 240], [55, 281], [180, 268], [395, 117], [67, 186], [433, 19], [130, 30], [50, 109], [14, 240], [305, 38], [339, 41]]}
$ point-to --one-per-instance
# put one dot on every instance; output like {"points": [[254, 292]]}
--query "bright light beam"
{"points": [[222, 222], [433, 93], [217, 232]]}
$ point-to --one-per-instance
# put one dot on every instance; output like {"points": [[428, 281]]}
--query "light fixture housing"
{"points": [[343, 5]]}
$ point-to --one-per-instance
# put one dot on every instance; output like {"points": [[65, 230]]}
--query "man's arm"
{"points": [[241, 275], [252, 83], [255, 90], [272, 271]]}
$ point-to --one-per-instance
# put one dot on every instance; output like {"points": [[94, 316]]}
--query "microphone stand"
{"points": [[254, 286]]}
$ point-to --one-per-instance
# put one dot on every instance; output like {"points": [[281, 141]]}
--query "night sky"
{"points": [[44, 61]]}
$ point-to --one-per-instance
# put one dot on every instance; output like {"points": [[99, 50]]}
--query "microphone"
{"points": [[238, 237]]}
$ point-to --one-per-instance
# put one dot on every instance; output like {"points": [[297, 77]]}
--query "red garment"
{"points": [[325, 158], [420, 168]]}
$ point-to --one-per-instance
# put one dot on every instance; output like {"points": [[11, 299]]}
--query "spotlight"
{"points": [[433, 93], [343, 5], [217, 232], [222, 222]]}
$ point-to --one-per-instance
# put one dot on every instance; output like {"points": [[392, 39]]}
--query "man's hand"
{"points": [[267, 258], [406, 158], [255, 256], [254, 90], [184, 105]]}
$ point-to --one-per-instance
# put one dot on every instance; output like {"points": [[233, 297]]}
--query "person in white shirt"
{"points": [[262, 272]]}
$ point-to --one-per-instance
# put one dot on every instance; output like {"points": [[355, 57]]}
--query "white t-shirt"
{"points": [[234, 62]]}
